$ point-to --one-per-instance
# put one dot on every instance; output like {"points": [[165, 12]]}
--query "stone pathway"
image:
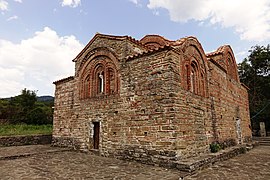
{"points": [[74, 165], [45, 162], [255, 164], [23, 151]]}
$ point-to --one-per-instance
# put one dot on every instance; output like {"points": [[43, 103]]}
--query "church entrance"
{"points": [[96, 134]]}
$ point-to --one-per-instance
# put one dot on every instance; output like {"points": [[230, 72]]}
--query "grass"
{"points": [[23, 129]]}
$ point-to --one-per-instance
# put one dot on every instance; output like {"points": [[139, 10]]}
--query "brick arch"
{"points": [[193, 42], [154, 41], [103, 69], [99, 51], [230, 62], [194, 66]]}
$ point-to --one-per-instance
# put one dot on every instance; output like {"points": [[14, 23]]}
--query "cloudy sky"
{"points": [[39, 38]]}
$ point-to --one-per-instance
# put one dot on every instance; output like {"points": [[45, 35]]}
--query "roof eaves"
{"points": [[135, 41], [64, 80]]}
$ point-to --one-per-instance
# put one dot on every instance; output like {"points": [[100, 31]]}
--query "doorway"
{"points": [[238, 130], [96, 134]]}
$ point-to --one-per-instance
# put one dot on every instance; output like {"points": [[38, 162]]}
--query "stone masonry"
{"points": [[152, 100]]}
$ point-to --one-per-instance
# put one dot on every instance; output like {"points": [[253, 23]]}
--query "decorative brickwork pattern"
{"points": [[151, 100]]}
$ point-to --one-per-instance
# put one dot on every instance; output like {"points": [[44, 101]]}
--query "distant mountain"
{"points": [[39, 98], [9, 98], [45, 98]]}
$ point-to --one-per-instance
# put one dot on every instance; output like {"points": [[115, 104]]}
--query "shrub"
{"points": [[243, 150], [215, 147]]}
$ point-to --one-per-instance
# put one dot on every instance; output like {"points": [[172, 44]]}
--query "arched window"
{"points": [[87, 87], [202, 85], [194, 78], [232, 71], [100, 79], [111, 81], [100, 82]]}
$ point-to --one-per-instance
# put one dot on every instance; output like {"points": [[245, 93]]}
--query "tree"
{"points": [[27, 99], [22, 105], [5, 110], [254, 71], [25, 108]]}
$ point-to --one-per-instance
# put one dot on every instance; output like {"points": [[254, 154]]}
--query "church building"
{"points": [[151, 100]]}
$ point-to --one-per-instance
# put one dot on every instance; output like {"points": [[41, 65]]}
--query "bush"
{"points": [[215, 147], [243, 150], [38, 116]]}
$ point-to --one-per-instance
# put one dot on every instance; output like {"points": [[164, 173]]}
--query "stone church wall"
{"points": [[154, 115], [228, 103]]}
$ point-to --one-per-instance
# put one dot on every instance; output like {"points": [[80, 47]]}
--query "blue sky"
{"points": [[39, 38]]}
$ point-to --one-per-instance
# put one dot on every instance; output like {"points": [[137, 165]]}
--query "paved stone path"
{"points": [[255, 164], [45, 162], [73, 165]]}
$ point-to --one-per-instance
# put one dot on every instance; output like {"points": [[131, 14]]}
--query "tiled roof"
{"points": [[169, 45], [220, 50], [64, 80], [166, 47]]}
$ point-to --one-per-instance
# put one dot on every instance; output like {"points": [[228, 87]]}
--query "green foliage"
{"points": [[23, 129], [254, 72], [25, 108], [39, 115], [215, 147], [5, 110], [243, 150]]}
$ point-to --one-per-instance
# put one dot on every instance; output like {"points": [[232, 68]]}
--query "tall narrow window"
{"points": [[111, 81], [231, 69], [202, 88], [87, 87], [194, 78], [101, 82], [82, 89], [192, 81], [187, 77]]}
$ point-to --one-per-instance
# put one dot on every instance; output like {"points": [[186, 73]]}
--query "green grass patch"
{"points": [[23, 129]]}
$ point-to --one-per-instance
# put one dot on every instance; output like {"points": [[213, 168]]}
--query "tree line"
{"points": [[254, 72], [26, 109]]}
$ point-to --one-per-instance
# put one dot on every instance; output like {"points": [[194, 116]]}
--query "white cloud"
{"points": [[71, 3], [36, 62], [19, 1], [249, 18], [136, 2], [241, 55], [3, 5], [12, 18]]}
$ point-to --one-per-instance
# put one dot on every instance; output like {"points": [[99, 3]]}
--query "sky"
{"points": [[39, 38]]}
